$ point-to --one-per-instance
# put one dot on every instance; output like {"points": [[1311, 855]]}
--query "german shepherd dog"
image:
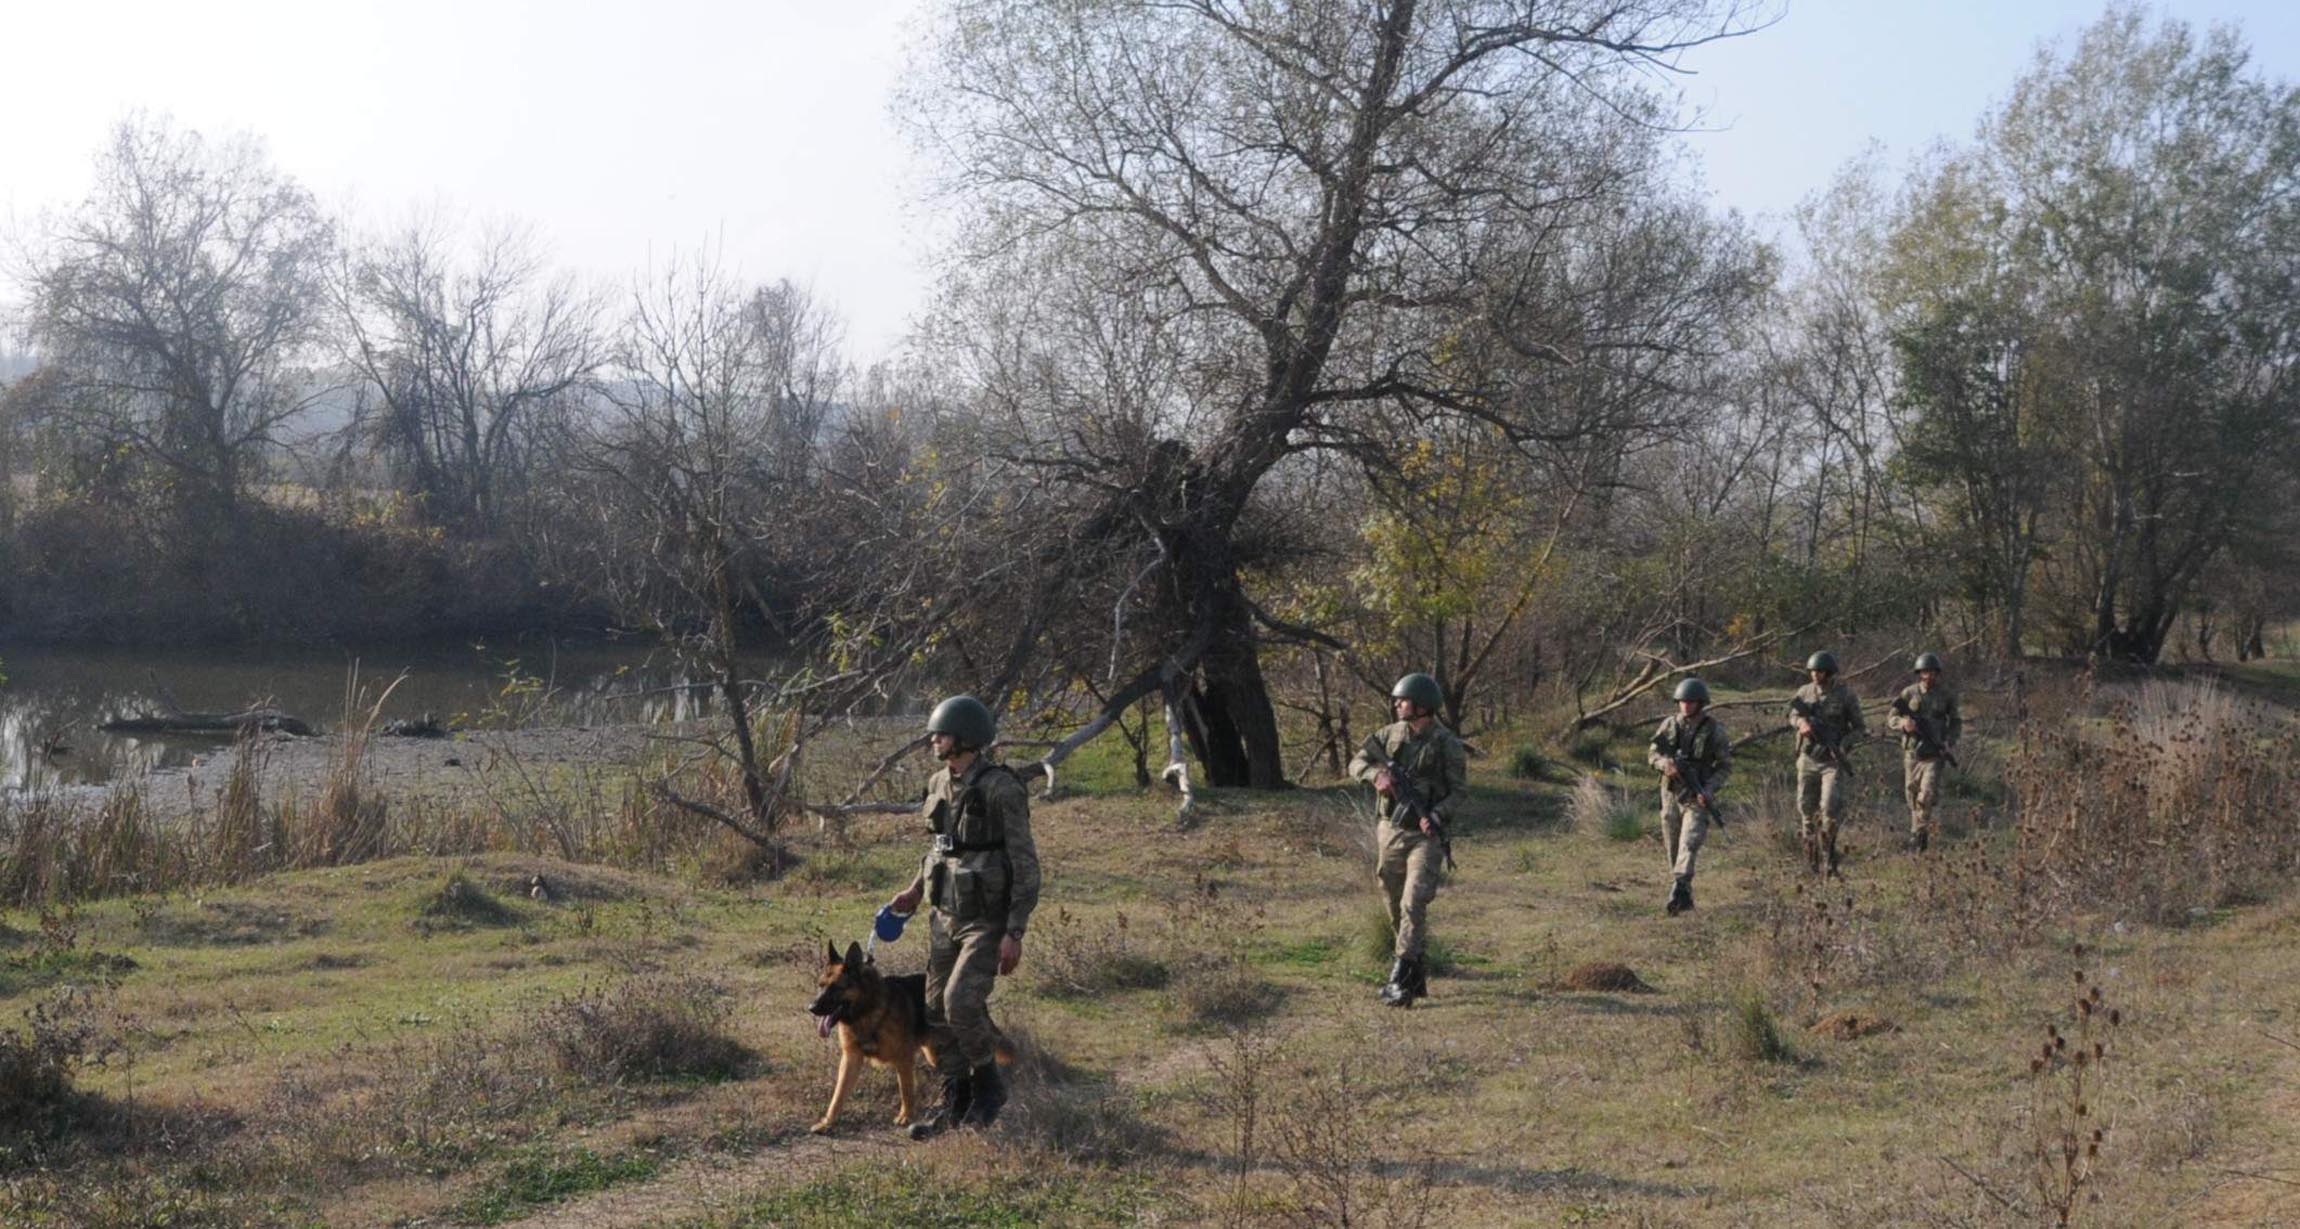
{"points": [[880, 1020]]}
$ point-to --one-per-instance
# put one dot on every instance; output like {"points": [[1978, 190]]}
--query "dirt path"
{"points": [[715, 1182]]}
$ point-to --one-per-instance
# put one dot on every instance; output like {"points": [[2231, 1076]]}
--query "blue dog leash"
{"points": [[888, 926]]}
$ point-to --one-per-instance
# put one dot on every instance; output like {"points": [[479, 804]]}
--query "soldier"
{"points": [[1694, 756], [1930, 725], [982, 879], [1827, 717], [1432, 758]]}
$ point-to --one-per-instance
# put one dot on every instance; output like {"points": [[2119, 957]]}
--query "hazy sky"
{"points": [[626, 131]]}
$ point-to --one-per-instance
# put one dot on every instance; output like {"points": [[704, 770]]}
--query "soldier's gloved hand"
{"points": [[906, 901], [1009, 954], [1669, 769], [1428, 828], [1804, 727], [1384, 784]]}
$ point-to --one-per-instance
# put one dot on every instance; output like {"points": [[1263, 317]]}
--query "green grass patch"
{"points": [[47, 966], [887, 1194], [540, 1177], [1305, 953], [1625, 823]]}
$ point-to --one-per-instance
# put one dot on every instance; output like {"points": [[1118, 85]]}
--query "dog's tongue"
{"points": [[823, 1026]]}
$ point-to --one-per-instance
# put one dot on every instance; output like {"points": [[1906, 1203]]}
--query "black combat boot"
{"points": [[1394, 990], [1829, 852], [1921, 840], [1407, 980], [957, 1099], [1680, 896], [1813, 853], [989, 1097], [1418, 980]]}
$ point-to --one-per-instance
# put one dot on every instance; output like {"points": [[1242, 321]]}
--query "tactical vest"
{"points": [[1686, 742], [967, 874], [1424, 766]]}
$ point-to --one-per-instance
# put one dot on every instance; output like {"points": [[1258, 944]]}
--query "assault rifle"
{"points": [[1929, 744], [1691, 788], [1828, 743], [1408, 796]]}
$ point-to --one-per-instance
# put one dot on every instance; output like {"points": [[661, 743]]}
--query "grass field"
{"points": [[436, 1041]]}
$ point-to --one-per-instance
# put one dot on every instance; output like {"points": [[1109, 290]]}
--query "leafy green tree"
{"points": [[2096, 324]]}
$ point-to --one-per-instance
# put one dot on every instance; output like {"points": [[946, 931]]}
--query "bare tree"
{"points": [[463, 353], [1436, 203], [181, 302]]}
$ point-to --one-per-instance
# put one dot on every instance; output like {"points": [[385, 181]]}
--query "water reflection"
{"points": [[54, 699]]}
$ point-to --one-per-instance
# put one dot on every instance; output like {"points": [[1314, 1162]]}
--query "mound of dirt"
{"points": [[1852, 1026], [1607, 978]]}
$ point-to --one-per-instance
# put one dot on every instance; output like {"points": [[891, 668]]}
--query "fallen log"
{"points": [[264, 720]]}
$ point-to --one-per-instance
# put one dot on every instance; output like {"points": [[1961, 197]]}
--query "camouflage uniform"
{"points": [[1409, 862], [1701, 742], [1920, 774], [982, 879], [1821, 781]]}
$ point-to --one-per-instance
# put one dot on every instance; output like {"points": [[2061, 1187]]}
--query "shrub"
{"points": [[1075, 962], [1528, 763], [652, 1027], [1755, 1034], [2181, 806], [460, 902], [39, 1062]]}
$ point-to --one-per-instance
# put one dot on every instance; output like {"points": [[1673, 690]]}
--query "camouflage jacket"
{"points": [[1700, 741], [983, 869], [1939, 706], [1436, 761], [1837, 719]]}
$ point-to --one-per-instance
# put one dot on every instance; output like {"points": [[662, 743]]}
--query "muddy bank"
{"points": [[483, 769]]}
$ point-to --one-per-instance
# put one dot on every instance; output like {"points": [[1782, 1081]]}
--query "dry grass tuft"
{"points": [[462, 902], [1753, 1033], [650, 1027], [1851, 1025], [1073, 960], [1601, 977]]}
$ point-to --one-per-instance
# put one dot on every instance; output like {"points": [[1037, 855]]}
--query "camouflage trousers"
{"points": [[1922, 780], [1687, 828], [1820, 798], [1408, 867], [961, 967]]}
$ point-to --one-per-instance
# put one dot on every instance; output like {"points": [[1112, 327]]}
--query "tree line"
{"points": [[1284, 347]]}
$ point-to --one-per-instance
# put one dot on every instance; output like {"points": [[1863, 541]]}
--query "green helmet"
{"points": [[1823, 660], [1421, 689], [966, 719], [1692, 689], [1928, 661]]}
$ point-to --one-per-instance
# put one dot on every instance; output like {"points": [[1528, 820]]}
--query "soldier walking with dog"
{"points": [[1827, 718], [1694, 755], [1930, 724], [982, 879], [1418, 769]]}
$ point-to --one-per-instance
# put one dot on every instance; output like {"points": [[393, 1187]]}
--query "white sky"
{"points": [[623, 132]]}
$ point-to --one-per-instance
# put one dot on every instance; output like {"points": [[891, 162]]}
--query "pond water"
{"points": [[53, 700]]}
